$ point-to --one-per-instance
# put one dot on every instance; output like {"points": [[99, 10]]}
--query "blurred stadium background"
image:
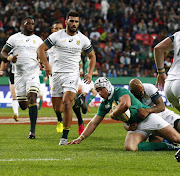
{"points": [[123, 34]]}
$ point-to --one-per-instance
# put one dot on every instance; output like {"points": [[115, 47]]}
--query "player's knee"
{"points": [[23, 105], [130, 147], [67, 104]]}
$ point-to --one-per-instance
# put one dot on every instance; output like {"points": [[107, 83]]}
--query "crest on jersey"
{"points": [[34, 41], [78, 42]]}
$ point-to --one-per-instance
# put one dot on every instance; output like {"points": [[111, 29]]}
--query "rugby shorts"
{"points": [[26, 83], [150, 125], [169, 116], [63, 82], [172, 91]]}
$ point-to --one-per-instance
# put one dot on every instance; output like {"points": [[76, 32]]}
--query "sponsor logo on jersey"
{"points": [[78, 42], [34, 41], [70, 40], [27, 40], [63, 40]]}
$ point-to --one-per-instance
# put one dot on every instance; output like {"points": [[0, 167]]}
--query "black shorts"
{"points": [[11, 78]]}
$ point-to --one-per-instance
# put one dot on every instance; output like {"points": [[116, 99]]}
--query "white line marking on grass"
{"points": [[38, 159]]}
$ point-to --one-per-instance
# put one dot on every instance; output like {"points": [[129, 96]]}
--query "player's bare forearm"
{"points": [[41, 52], [159, 106], [124, 104], [92, 62]]}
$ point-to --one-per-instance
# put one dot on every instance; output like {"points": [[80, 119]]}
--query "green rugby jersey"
{"points": [[106, 105]]}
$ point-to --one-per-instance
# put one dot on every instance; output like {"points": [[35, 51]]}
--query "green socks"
{"points": [[40, 104], [33, 116], [152, 146]]}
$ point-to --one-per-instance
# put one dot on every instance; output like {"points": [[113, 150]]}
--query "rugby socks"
{"points": [[40, 104], [90, 99], [78, 114], [33, 116], [65, 132], [15, 106], [152, 146], [59, 116]]}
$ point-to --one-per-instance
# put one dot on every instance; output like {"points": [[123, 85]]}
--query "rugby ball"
{"points": [[124, 116]]}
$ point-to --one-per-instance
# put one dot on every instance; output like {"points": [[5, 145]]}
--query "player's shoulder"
{"points": [[80, 34], [16, 35], [150, 88]]}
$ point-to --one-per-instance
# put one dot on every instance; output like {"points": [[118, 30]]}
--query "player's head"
{"points": [[136, 88], [56, 26], [104, 87], [72, 22], [28, 25]]}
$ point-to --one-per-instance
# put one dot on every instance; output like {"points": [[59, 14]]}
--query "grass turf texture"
{"points": [[100, 154]]}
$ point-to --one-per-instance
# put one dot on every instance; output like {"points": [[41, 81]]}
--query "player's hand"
{"points": [[160, 81], [75, 141], [12, 58], [143, 113], [41, 66], [133, 126], [87, 78], [1, 73], [48, 70]]}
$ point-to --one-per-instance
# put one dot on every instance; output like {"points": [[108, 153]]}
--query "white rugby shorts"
{"points": [[86, 88], [63, 82], [150, 125], [169, 116], [24, 82], [172, 91]]}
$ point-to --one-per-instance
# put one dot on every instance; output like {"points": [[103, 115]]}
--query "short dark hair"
{"points": [[72, 13], [57, 22]]}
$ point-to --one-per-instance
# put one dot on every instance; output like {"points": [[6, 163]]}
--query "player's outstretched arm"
{"points": [[41, 52], [91, 126], [159, 50]]}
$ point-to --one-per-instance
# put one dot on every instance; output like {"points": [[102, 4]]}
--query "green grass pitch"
{"points": [[100, 154]]}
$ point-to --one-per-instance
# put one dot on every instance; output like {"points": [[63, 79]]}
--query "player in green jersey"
{"points": [[139, 129]]}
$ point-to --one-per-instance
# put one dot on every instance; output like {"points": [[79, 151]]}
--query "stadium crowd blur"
{"points": [[123, 33]]}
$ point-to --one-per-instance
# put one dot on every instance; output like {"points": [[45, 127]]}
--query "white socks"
{"points": [[15, 106]]}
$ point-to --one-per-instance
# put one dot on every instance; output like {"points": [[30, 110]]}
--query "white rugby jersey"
{"points": [[67, 50], [151, 94], [26, 48], [174, 71]]}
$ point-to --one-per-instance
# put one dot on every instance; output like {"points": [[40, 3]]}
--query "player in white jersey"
{"points": [[56, 26], [149, 95], [171, 82], [68, 44], [15, 106], [24, 46]]}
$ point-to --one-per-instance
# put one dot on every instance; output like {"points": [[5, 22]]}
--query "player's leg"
{"points": [[172, 92], [77, 111], [68, 99], [58, 109], [32, 89], [15, 104], [92, 96], [69, 86], [132, 140]]}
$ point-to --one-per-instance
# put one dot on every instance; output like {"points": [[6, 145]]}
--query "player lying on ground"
{"points": [[149, 95], [125, 100]]}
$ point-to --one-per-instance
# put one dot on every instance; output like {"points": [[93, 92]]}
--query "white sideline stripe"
{"points": [[39, 120], [39, 159]]}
